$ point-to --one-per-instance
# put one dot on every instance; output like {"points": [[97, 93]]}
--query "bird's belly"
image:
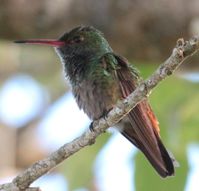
{"points": [[96, 99]]}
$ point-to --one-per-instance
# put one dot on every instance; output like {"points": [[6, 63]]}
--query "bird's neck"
{"points": [[77, 67]]}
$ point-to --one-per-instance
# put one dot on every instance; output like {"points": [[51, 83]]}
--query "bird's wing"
{"points": [[143, 129]]}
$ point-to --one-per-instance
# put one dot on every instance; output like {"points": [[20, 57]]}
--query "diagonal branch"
{"points": [[183, 50]]}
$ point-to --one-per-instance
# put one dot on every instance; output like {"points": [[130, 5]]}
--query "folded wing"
{"points": [[143, 129]]}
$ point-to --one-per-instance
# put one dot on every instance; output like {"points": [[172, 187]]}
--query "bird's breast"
{"points": [[97, 96]]}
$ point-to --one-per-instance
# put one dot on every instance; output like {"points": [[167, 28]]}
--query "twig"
{"points": [[183, 50]]}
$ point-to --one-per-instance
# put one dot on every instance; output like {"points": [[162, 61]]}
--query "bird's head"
{"points": [[81, 40]]}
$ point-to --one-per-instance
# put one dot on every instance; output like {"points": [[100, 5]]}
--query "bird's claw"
{"points": [[105, 114], [91, 127]]}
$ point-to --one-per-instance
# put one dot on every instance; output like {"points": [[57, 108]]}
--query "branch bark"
{"points": [[183, 50]]}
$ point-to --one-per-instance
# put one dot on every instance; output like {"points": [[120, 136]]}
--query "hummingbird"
{"points": [[99, 78]]}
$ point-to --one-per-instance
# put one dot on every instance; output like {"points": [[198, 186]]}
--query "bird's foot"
{"points": [[105, 113], [91, 127]]}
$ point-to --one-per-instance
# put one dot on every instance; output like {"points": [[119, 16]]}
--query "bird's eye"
{"points": [[78, 39]]}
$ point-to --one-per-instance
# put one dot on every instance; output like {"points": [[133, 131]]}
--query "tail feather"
{"points": [[162, 163], [144, 136], [168, 161]]}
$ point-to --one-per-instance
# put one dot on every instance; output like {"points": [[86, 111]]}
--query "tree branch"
{"points": [[183, 50]]}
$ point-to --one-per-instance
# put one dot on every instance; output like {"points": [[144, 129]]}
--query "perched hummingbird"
{"points": [[99, 78]]}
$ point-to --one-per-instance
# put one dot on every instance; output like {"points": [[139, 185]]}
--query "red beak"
{"points": [[49, 42]]}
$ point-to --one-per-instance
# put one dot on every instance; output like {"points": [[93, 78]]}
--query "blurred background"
{"points": [[38, 113]]}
